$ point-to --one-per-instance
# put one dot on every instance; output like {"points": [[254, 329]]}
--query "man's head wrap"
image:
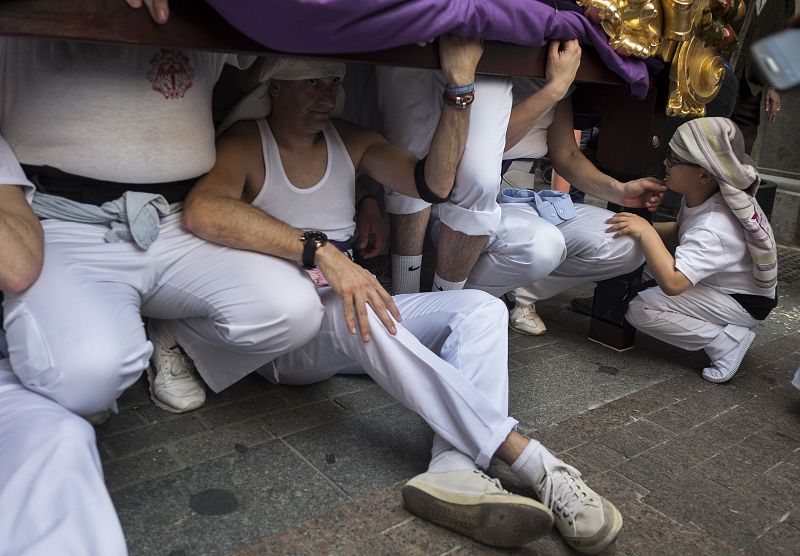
{"points": [[717, 145], [257, 103]]}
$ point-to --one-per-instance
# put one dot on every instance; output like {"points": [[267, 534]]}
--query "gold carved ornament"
{"points": [[692, 35]]}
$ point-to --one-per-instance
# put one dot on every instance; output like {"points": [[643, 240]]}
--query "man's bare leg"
{"points": [[408, 237], [457, 253]]}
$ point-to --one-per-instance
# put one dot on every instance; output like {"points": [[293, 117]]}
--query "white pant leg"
{"points": [[410, 104], [525, 248], [76, 335], [52, 496], [699, 318], [592, 255], [462, 393], [237, 309]]}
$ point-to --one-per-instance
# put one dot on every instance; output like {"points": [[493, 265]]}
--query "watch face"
{"points": [[315, 236]]}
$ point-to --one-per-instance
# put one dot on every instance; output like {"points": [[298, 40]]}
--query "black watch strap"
{"points": [[312, 240]]}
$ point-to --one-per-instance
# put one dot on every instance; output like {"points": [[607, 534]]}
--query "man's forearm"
{"points": [[525, 114], [238, 225], [447, 147], [583, 175], [21, 242]]}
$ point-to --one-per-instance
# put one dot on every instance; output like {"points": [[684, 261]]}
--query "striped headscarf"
{"points": [[717, 145]]}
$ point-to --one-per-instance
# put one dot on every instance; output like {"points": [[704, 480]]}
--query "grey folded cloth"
{"points": [[134, 217]]}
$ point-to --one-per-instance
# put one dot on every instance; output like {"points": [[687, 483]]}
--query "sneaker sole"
{"points": [[726, 378], [495, 523], [526, 332], [605, 542], [151, 377]]}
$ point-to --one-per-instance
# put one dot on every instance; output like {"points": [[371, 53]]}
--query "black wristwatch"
{"points": [[312, 240]]}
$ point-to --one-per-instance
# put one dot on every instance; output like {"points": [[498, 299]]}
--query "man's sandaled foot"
{"points": [[471, 503]]}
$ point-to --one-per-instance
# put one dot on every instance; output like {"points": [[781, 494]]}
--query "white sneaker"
{"points": [[174, 386], [523, 319], [723, 369], [588, 522], [470, 503]]}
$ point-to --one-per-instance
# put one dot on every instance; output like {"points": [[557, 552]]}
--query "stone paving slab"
{"points": [[695, 468]]}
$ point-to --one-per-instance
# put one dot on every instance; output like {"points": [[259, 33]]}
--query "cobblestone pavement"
{"points": [[695, 468]]}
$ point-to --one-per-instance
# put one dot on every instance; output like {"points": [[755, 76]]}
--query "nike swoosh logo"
{"points": [[438, 287], [413, 268]]}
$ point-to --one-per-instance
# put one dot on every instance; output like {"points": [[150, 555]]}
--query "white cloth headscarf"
{"points": [[257, 103]]}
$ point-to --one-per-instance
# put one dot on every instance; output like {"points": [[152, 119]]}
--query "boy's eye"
{"points": [[336, 80], [311, 82]]}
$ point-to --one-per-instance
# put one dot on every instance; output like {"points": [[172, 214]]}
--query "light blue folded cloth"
{"points": [[134, 217], [553, 206]]}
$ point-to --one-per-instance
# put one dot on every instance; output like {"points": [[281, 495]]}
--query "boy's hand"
{"points": [[459, 57], [627, 224]]}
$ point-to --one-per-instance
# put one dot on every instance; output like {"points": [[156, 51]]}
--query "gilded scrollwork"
{"points": [[691, 35]]}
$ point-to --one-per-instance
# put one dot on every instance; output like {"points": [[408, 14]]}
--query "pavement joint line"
{"points": [[315, 468], [451, 551], [398, 525]]}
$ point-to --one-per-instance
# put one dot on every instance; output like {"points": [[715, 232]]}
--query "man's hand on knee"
{"points": [[159, 9], [358, 288]]}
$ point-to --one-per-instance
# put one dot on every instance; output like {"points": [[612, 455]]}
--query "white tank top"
{"points": [[327, 206]]}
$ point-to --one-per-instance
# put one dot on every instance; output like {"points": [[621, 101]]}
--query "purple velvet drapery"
{"points": [[339, 26]]}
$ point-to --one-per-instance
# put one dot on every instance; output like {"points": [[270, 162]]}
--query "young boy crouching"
{"points": [[722, 280]]}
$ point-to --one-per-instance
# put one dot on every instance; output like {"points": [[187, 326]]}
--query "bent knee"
{"points": [[636, 315], [283, 322], [538, 254], [87, 381]]}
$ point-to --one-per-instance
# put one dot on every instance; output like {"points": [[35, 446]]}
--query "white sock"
{"points": [[442, 285], [406, 271], [532, 462], [451, 460]]}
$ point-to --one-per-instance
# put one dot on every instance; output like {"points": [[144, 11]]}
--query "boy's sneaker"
{"points": [[174, 386], [523, 319], [588, 522], [723, 369], [469, 502]]}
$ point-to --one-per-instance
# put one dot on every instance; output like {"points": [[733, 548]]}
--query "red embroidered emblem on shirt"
{"points": [[170, 73]]}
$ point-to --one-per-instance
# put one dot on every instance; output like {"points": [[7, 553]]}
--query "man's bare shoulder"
{"points": [[241, 131]]}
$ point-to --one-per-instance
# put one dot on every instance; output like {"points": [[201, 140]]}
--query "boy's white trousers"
{"points": [[447, 362], [699, 318]]}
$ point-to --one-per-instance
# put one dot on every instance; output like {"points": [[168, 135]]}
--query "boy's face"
{"points": [[682, 176]]}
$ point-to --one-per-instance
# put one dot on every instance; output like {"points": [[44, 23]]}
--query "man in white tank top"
{"points": [[283, 187]]}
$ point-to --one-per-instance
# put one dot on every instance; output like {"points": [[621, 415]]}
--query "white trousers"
{"points": [[410, 102], [77, 337], [592, 254], [699, 318], [447, 363], [52, 496]]}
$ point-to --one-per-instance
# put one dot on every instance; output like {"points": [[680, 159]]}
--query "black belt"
{"points": [[759, 306], [96, 192]]}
